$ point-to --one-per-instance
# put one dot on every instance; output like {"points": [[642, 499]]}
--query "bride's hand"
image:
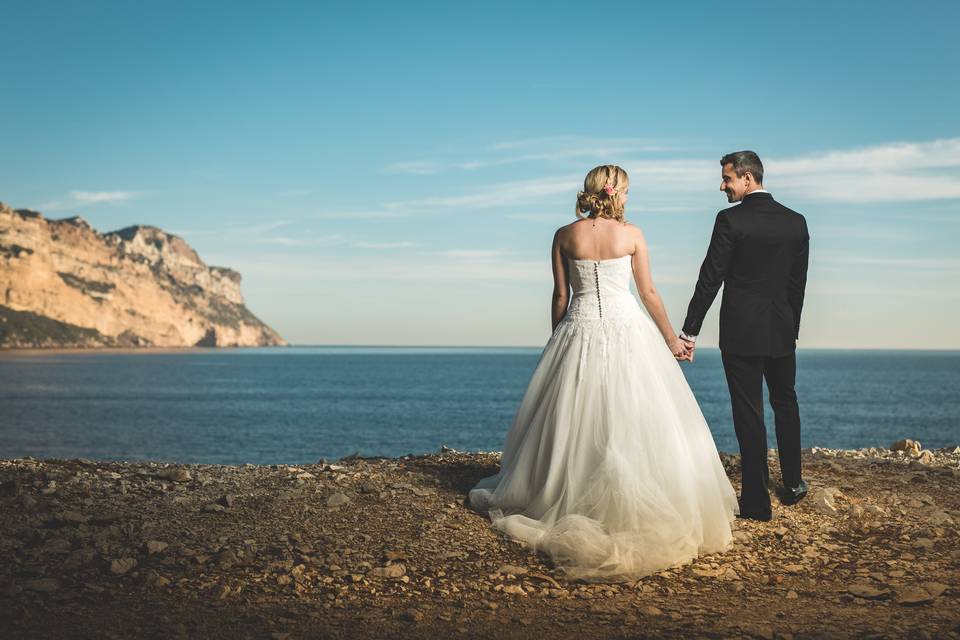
{"points": [[678, 349]]}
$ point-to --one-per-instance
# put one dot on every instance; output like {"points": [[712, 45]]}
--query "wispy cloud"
{"points": [[369, 214], [471, 254], [898, 156], [313, 239], [554, 218], [86, 198], [902, 171], [403, 244], [235, 230], [573, 140], [436, 268], [943, 264], [543, 150], [303, 241], [89, 197], [496, 195], [895, 172]]}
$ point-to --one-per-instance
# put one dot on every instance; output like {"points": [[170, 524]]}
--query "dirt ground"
{"points": [[385, 548]]}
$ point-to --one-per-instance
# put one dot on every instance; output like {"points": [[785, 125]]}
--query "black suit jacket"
{"points": [[758, 252]]}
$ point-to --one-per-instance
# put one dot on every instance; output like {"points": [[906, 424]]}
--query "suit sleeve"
{"points": [[798, 279], [712, 272]]}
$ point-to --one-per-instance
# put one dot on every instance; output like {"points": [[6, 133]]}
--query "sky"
{"points": [[393, 173]]}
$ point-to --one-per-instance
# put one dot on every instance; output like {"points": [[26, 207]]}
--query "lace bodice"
{"points": [[601, 289]]}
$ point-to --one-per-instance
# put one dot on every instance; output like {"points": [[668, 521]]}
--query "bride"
{"points": [[609, 466]]}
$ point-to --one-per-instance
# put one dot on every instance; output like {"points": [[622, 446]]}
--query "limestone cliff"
{"points": [[64, 284]]}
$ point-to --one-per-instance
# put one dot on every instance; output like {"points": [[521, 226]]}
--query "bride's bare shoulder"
{"points": [[567, 229], [632, 229]]}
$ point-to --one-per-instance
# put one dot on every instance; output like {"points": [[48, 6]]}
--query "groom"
{"points": [[758, 252]]}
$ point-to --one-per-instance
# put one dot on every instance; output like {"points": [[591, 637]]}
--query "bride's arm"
{"points": [[561, 286], [650, 297]]}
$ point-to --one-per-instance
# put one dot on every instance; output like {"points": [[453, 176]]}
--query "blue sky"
{"points": [[388, 174]]}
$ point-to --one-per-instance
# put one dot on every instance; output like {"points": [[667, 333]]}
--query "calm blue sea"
{"points": [[296, 405]]}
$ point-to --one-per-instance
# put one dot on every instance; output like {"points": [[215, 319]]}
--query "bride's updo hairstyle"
{"points": [[602, 195]]}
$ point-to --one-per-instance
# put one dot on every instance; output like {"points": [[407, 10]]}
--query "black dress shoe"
{"points": [[792, 495], [763, 515]]}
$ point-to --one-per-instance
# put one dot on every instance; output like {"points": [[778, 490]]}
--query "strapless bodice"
{"points": [[601, 288]]}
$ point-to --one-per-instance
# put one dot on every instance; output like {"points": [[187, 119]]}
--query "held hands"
{"points": [[682, 349]]}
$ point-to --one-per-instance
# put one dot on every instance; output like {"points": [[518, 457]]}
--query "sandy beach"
{"points": [[385, 548]]}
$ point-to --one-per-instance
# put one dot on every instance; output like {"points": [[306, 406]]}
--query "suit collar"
{"points": [[757, 195]]}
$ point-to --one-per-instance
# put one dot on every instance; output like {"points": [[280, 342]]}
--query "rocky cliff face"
{"points": [[62, 283]]}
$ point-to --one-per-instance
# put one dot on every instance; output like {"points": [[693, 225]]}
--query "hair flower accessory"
{"points": [[608, 189]]}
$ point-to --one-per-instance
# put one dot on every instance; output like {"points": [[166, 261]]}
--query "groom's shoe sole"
{"points": [[762, 517], [762, 514], [790, 497]]}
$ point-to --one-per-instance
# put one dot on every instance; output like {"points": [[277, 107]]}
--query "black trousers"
{"points": [[745, 375]]}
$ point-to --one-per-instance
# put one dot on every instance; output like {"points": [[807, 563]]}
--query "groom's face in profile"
{"points": [[732, 185]]}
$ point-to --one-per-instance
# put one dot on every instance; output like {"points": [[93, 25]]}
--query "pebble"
{"points": [[741, 536], [154, 579], [823, 500], [338, 499], [913, 595], [390, 571], [121, 566], [176, 475], [72, 517], [907, 445], [938, 517], [154, 546], [866, 591], [512, 569], [412, 616], [759, 631], [226, 559], [730, 574], [923, 543], [43, 585]]}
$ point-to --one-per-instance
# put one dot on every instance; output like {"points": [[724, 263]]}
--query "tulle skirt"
{"points": [[609, 467]]}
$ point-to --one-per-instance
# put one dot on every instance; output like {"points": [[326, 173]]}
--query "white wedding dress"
{"points": [[609, 466]]}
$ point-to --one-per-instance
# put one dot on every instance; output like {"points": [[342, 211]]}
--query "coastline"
{"points": [[384, 547]]}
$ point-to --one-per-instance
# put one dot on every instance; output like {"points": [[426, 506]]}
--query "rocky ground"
{"points": [[385, 548]]}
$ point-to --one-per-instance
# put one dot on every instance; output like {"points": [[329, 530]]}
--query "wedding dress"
{"points": [[609, 466]]}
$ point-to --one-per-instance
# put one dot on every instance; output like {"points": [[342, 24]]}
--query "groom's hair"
{"points": [[744, 161]]}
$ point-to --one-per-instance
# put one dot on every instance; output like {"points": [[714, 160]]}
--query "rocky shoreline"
{"points": [[385, 548]]}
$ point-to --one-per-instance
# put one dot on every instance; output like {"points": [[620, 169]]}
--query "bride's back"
{"points": [[597, 239]]}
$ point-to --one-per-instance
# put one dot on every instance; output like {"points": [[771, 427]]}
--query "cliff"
{"points": [[64, 284], [386, 548]]}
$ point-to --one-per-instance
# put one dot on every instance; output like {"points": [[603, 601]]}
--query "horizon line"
{"points": [[462, 346]]}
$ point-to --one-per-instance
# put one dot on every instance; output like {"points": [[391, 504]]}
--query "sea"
{"points": [[296, 405]]}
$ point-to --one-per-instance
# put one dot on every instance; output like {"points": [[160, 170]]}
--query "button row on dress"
{"points": [[596, 277]]}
